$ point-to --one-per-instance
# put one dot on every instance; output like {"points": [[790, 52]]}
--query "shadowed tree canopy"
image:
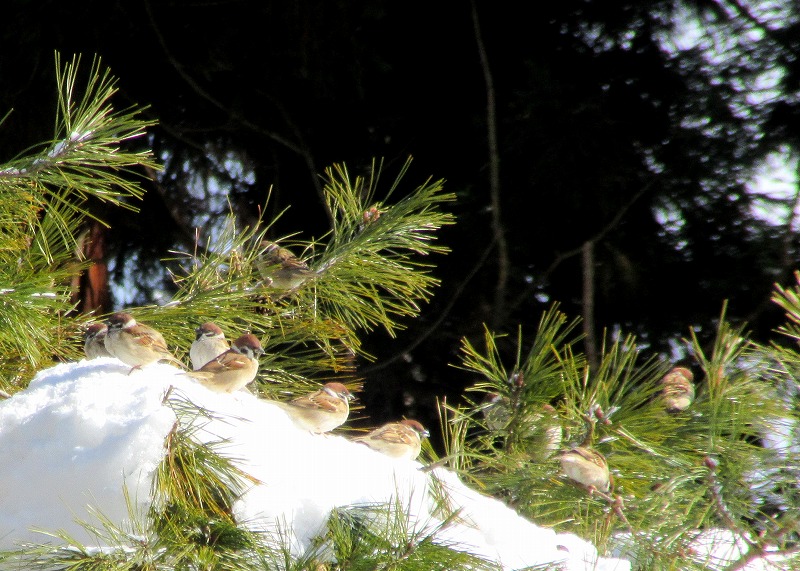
{"points": [[603, 153]]}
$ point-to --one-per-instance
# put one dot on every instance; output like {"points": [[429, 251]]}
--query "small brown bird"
{"points": [[678, 389], [548, 426], [396, 439], [209, 342], [496, 410], [322, 410], [234, 369], [280, 268], [587, 467], [94, 341], [539, 426], [135, 344]]}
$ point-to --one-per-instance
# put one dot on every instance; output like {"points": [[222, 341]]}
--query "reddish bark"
{"points": [[92, 292]]}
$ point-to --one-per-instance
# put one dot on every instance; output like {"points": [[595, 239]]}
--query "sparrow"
{"points": [[396, 439], [587, 467], [322, 410], [94, 341], [677, 391], [233, 369], [209, 342], [135, 344], [539, 427], [549, 429], [281, 268], [496, 411]]}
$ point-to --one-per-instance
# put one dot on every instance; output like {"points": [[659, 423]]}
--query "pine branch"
{"points": [[44, 198], [382, 537], [86, 157], [788, 299], [656, 456], [370, 273], [366, 273]]}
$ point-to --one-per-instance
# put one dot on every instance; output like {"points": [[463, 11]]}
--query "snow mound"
{"points": [[83, 432]]}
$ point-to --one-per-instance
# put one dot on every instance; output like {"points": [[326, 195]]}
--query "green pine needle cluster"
{"points": [[45, 194], [383, 537], [311, 332], [364, 274], [373, 254], [674, 473]]}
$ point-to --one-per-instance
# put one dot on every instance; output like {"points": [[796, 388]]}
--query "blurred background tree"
{"points": [[615, 157]]}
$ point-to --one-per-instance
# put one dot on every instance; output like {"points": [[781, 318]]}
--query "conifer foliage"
{"points": [[44, 198], [674, 470]]}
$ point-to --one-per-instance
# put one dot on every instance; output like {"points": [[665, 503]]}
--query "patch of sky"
{"points": [[774, 189]]}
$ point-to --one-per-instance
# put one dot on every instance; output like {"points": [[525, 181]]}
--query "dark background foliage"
{"points": [[608, 122]]}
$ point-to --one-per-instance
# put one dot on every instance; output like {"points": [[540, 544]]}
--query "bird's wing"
{"points": [[228, 361], [394, 433], [317, 400], [147, 337]]}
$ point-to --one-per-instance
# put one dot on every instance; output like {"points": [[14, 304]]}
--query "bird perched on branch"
{"points": [[280, 268], [322, 410], [234, 369], [677, 391], [587, 467], [209, 342], [538, 425], [136, 344], [94, 341], [396, 439]]}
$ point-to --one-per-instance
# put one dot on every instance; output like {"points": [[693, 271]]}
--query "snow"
{"points": [[82, 433]]}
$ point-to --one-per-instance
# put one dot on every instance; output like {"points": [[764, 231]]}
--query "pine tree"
{"points": [[45, 195], [715, 465], [676, 471]]}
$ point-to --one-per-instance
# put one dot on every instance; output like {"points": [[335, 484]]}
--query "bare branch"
{"points": [[300, 149], [494, 177], [590, 341]]}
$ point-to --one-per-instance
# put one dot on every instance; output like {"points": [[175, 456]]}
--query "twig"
{"points": [[438, 464], [598, 237], [590, 342], [494, 176], [755, 549], [617, 505], [207, 96], [167, 394], [453, 298], [722, 509], [301, 150]]}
